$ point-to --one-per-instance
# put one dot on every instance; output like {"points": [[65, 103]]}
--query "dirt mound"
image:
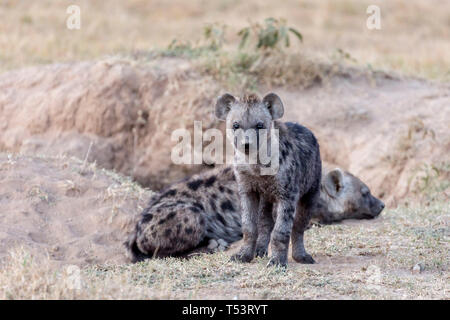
{"points": [[121, 114], [73, 212], [124, 113], [389, 132]]}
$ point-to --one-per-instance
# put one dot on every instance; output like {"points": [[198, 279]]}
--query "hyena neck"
{"points": [[327, 208]]}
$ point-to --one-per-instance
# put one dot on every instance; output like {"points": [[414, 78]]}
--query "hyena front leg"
{"points": [[265, 226], [281, 232], [250, 203]]}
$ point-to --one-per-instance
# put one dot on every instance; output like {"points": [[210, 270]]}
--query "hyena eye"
{"points": [[235, 126], [259, 125]]}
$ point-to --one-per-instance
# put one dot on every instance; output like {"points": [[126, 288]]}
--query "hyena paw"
{"points": [[212, 245], [239, 257], [223, 245], [305, 259], [217, 245], [277, 262], [261, 252]]}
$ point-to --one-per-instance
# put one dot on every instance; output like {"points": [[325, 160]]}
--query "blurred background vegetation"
{"points": [[413, 39]]}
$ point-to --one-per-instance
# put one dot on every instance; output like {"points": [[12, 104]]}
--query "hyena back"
{"points": [[293, 189], [187, 214]]}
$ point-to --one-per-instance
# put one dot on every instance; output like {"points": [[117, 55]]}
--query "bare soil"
{"points": [[65, 210]]}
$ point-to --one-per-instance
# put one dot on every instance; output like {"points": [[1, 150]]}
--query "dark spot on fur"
{"points": [[212, 204], [194, 209], [284, 154], [147, 217], [210, 181], [178, 228], [195, 184], [185, 194], [180, 202], [154, 234], [214, 196], [167, 232], [161, 221], [227, 170], [171, 215], [202, 221], [169, 193], [221, 219], [221, 189], [185, 220], [229, 191], [188, 230], [227, 206], [199, 205]]}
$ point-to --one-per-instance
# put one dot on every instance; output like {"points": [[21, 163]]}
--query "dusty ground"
{"points": [[66, 209]]}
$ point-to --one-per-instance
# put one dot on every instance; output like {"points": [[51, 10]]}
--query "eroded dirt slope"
{"points": [[383, 129], [127, 112], [66, 210]]}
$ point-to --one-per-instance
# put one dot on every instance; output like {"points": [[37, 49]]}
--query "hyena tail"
{"points": [[134, 254]]}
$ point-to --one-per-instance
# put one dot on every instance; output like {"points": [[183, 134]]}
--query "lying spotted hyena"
{"points": [[205, 211]]}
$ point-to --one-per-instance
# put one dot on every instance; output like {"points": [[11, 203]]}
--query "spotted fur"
{"points": [[342, 196]]}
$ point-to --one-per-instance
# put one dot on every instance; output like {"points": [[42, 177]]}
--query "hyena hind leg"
{"points": [[301, 223], [171, 234]]}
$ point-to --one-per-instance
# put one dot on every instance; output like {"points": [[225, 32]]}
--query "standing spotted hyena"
{"points": [[293, 189]]}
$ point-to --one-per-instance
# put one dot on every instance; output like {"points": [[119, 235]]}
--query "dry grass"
{"points": [[413, 39], [364, 260]]}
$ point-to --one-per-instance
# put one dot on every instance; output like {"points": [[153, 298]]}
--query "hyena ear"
{"points": [[274, 104], [334, 182], [223, 106]]}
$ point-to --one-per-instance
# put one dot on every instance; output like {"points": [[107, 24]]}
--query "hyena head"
{"points": [[249, 119], [349, 197]]}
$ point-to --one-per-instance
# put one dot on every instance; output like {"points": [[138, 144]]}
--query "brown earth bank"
{"points": [[66, 210], [120, 114]]}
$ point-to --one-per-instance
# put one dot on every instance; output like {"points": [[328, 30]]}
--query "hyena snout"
{"points": [[246, 142], [377, 207]]}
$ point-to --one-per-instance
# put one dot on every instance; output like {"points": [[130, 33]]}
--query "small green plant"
{"points": [[214, 35], [270, 35]]}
